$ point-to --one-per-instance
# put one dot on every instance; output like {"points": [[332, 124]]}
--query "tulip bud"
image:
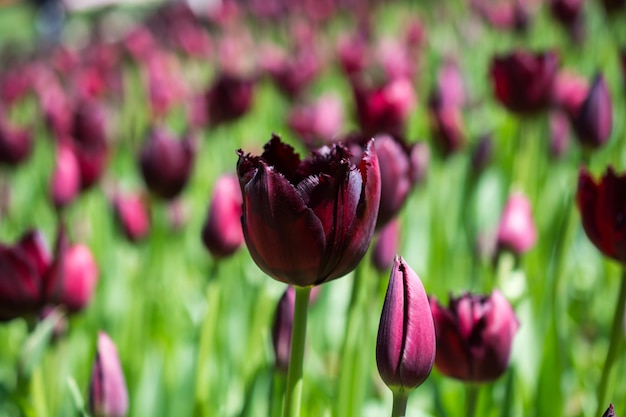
{"points": [[386, 245], [474, 336], [405, 347], [482, 154], [516, 231], [132, 216], [293, 75], [447, 127], [594, 119], [15, 144], [610, 412], [20, 284], [88, 132], [222, 234], [229, 98], [65, 181], [318, 123], [108, 396], [166, 163]]}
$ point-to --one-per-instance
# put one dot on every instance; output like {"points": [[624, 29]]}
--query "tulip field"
{"points": [[333, 208]]}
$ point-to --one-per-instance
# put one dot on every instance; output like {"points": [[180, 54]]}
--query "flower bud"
{"points": [[405, 346], [610, 412], [108, 395], [474, 336], [20, 284], [229, 98], [15, 144], [594, 119], [166, 163], [132, 216], [516, 231], [88, 131], [222, 234], [65, 181]]}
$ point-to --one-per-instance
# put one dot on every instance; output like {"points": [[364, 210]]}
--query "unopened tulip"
{"points": [[603, 211], [310, 221], [20, 284], [88, 132], [15, 144], [450, 88], [474, 336], [166, 163], [593, 121], [386, 245], [569, 14], [65, 181], [447, 127], [108, 395], [229, 98], [352, 53], [405, 347], [522, 80], [293, 75], [482, 154], [132, 215], [516, 230], [318, 123], [222, 234]]}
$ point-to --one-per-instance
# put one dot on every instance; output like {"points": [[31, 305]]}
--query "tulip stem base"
{"points": [[614, 346], [471, 399], [400, 399], [293, 394]]}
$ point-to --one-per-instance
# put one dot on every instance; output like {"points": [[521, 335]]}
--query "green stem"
{"points": [[293, 394], [399, 403], [276, 394], [614, 345], [471, 399]]}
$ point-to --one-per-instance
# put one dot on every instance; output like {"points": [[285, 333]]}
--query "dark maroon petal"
{"points": [[281, 156], [15, 144], [586, 198], [36, 249], [452, 358], [20, 284], [610, 412], [108, 395], [284, 236], [594, 121]]}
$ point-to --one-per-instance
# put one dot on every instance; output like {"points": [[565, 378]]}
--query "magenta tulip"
{"points": [[132, 215], [516, 231], [65, 182], [108, 395]]}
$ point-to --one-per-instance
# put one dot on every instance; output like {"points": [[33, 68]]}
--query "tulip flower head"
{"points": [[108, 395], [474, 336], [517, 231], [16, 144], [610, 412], [593, 120], [132, 215], [523, 80], [222, 234], [602, 208], [308, 221], [405, 347]]}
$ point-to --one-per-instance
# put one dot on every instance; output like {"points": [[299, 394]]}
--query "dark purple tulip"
{"points": [[504, 15], [353, 54], [108, 395], [594, 119], [523, 80], [386, 245], [88, 131], [166, 163], [610, 412], [447, 127], [602, 208], [65, 181], [405, 347], [566, 11], [517, 231], [293, 75], [474, 336], [308, 221], [229, 98], [222, 234], [36, 249], [132, 215], [15, 144], [482, 154], [20, 284], [385, 108]]}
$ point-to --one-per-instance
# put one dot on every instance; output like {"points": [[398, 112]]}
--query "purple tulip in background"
{"points": [[132, 215], [450, 87], [65, 181], [292, 75], [522, 80], [474, 336], [108, 395], [482, 154], [405, 347], [569, 13], [16, 144], [622, 58], [602, 207], [166, 163], [319, 122], [516, 230], [447, 127], [309, 221], [610, 412], [229, 98], [559, 133], [221, 233], [593, 120], [386, 245], [504, 15]]}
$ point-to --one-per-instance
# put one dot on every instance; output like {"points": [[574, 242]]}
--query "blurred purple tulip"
{"points": [[309, 221], [559, 134], [229, 98], [221, 233], [386, 245], [108, 395], [504, 15], [593, 120], [132, 215], [522, 80], [569, 13], [297, 72], [318, 123], [65, 181], [602, 207], [166, 163], [474, 336], [569, 92], [446, 123], [482, 154], [352, 54], [16, 144], [610, 412], [406, 343], [20, 284], [516, 230]]}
